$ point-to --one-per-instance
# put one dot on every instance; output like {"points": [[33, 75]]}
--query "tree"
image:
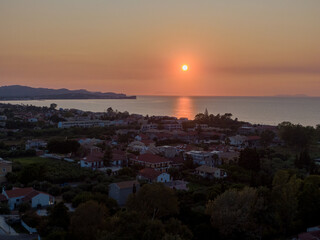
{"points": [[296, 135], [309, 201], [233, 213], [107, 156], [88, 219], [249, 159], [59, 217], [53, 106], [304, 161], [63, 146], [285, 190], [154, 200], [267, 137]]}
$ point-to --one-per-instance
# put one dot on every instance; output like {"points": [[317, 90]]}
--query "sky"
{"points": [[232, 47]]}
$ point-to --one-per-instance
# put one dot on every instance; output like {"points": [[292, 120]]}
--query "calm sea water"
{"points": [[263, 110]]}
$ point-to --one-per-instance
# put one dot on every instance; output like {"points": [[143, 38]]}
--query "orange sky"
{"points": [[137, 47]]}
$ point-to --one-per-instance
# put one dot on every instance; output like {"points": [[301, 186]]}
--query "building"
{"points": [[5, 167], [172, 126], [84, 124], [119, 158], [151, 175], [17, 196], [203, 158], [94, 160], [146, 127], [313, 233], [210, 172], [238, 141], [168, 151], [3, 118], [35, 144], [120, 191], [152, 161], [229, 157]]}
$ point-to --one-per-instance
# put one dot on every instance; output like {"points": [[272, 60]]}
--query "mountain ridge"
{"points": [[18, 92]]}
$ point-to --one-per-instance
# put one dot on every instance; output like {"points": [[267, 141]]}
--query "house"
{"points": [[152, 175], [137, 146], [17, 196], [229, 157], [120, 191], [32, 120], [84, 124], [172, 126], [210, 172], [203, 158], [5, 167], [119, 158], [94, 160], [149, 160], [253, 141], [313, 233], [238, 140], [178, 185], [168, 151], [3, 118], [35, 144]]}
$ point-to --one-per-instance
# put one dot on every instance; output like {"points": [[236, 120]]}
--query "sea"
{"points": [[257, 110]]}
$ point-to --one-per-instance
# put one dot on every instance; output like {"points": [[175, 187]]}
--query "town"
{"points": [[73, 174]]}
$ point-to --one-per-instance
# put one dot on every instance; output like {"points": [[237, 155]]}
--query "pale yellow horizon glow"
{"points": [[252, 48]]}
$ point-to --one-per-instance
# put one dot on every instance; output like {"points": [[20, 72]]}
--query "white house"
{"points": [[93, 161], [237, 140], [32, 120], [120, 191], [35, 144], [17, 196], [210, 172], [152, 175]]}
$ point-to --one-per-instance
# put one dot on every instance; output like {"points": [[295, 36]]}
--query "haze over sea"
{"points": [[260, 110]]}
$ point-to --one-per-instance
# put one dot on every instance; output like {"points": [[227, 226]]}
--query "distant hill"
{"points": [[17, 92]]}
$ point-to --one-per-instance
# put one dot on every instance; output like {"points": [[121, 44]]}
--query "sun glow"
{"points": [[185, 68]]}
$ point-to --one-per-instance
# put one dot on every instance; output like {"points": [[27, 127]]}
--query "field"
{"points": [[32, 160]]}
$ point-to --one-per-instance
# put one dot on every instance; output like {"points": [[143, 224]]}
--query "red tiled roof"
{"points": [[30, 196], [151, 158], [94, 157], [19, 192], [177, 160], [253, 138], [118, 155], [149, 173], [315, 235]]}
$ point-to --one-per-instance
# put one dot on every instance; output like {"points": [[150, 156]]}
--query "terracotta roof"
{"points": [[118, 155], [94, 157], [127, 184], [177, 160], [149, 173], [315, 235], [151, 158], [19, 192], [31, 195], [253, 138]]}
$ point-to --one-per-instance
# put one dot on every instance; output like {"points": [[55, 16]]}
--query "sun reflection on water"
{"points": [[184, 108]]}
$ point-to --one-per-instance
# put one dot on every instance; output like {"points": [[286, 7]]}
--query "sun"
{"points": [[185, 67]]}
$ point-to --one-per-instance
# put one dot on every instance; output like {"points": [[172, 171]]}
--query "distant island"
{"points": [[17, 92]]}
